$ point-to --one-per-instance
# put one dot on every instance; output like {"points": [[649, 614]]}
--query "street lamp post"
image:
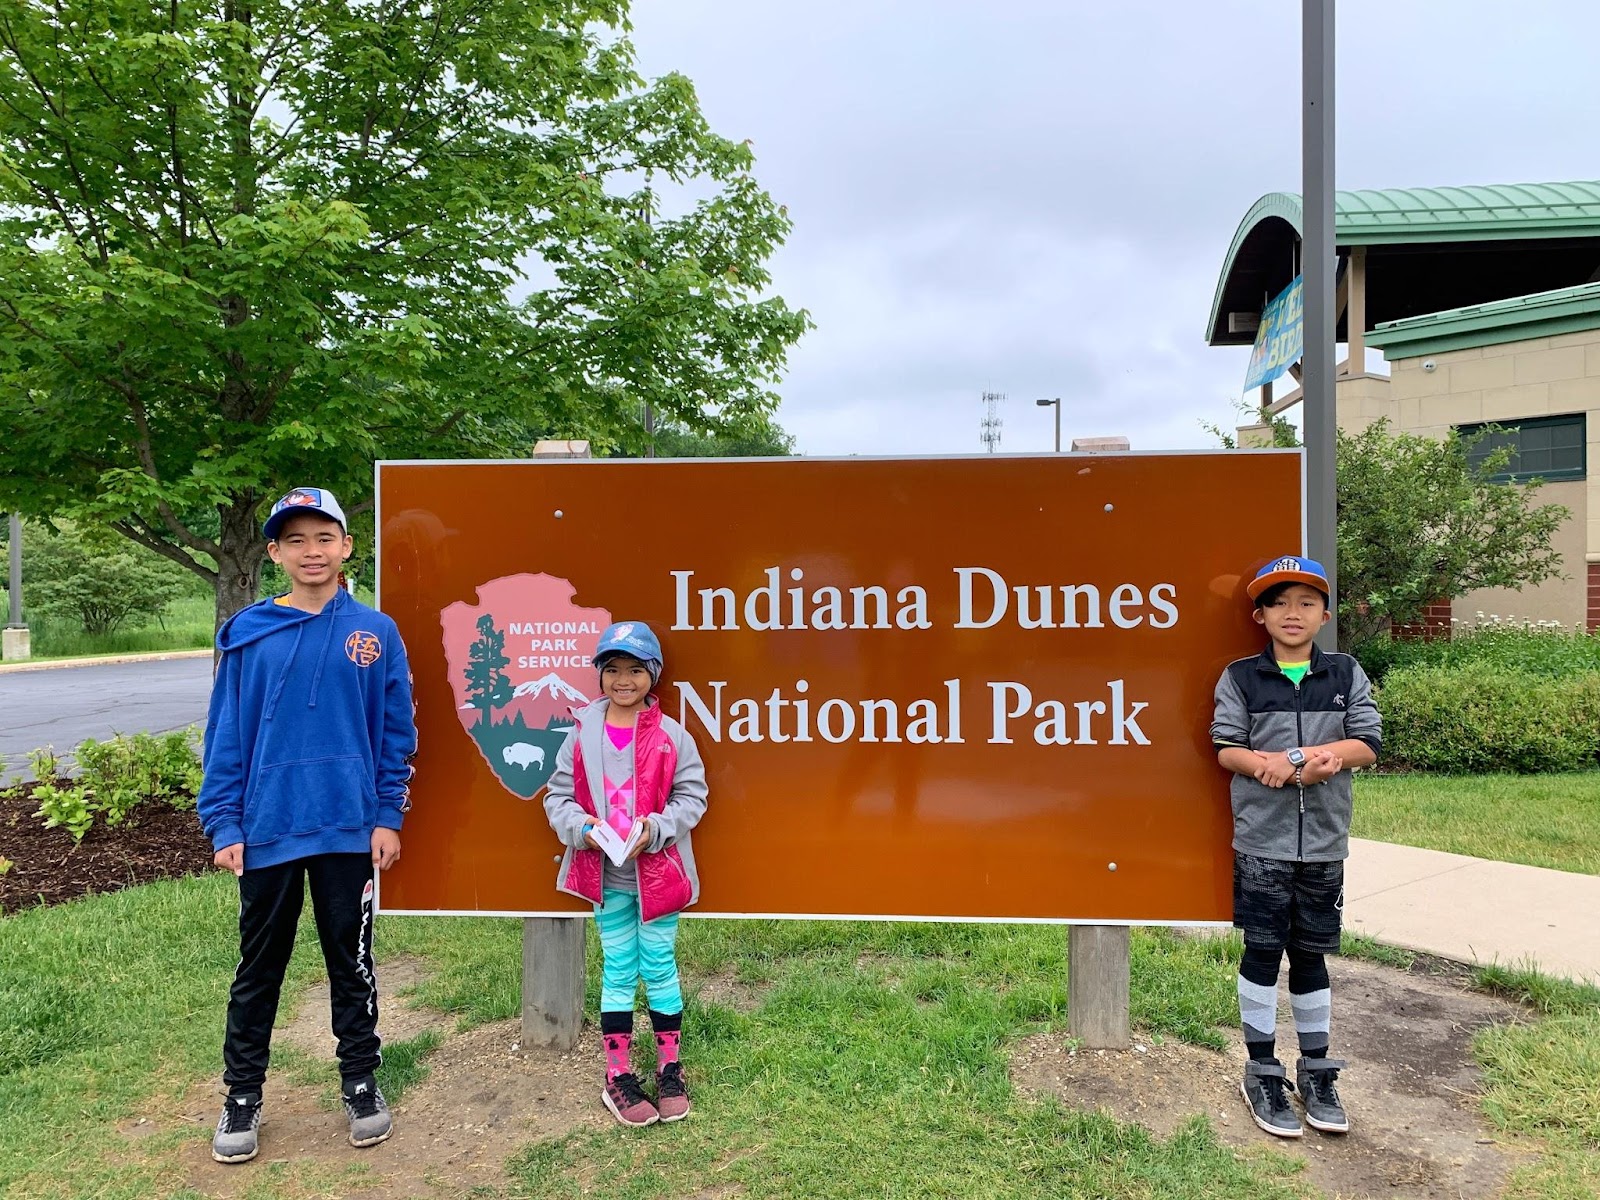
{"points": [[1057, 405], [14, 639], [1317, 249]]}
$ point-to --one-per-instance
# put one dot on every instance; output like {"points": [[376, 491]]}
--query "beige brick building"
{"points": [[1486, 305]]}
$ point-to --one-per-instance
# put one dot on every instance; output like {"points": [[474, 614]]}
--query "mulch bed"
{"points": [[156, 842]]}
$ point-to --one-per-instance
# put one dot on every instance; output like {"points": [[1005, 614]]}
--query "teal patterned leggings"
{"points": [[634, 950]]}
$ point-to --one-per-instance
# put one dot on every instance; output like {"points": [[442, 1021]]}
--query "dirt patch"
{"points": [[483, 1100], [727, 989], [1411, 1088], [398, 1020], [156, 842]]}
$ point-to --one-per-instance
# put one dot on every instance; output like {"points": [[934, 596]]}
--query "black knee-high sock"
{"points": [[1258, 1000]]}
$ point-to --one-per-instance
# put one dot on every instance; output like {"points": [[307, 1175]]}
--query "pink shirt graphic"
{"points": [[619, 792]]}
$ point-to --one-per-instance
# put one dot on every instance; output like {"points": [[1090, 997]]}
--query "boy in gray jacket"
{"points": [[1290, 724]]}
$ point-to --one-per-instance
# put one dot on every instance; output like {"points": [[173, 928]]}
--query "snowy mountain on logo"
{"points": [[553, 684], [540, 701]]}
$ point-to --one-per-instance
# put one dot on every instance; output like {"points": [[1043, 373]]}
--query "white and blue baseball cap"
{"points": [[310, 499], [633, 638]]}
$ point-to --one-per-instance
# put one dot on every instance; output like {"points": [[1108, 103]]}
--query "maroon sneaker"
{"points": [[627, 1101], [672, 1098]]}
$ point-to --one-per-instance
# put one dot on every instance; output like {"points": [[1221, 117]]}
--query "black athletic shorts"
{"points": [[1280, 903]]}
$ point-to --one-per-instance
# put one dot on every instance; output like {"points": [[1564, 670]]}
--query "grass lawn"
{"points": [[1540, 820], [187, 625], [874, 1064], [1543, 1079]]}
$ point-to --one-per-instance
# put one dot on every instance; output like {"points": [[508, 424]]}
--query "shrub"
{"points": [[115, 777], [96, 578], [145, 766], [61, 804], [1551, 650], [1482, 716]]}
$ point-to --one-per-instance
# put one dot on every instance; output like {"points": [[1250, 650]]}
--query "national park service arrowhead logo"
{"points": [[520, 661]]}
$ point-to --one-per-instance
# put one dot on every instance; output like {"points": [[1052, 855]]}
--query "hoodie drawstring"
{"points": [[283, 677], [327, 646], [328, 612]]}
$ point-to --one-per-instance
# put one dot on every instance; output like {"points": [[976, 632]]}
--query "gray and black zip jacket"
{"points": [[1260, 708]]}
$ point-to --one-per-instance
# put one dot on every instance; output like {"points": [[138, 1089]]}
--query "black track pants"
{"points": [[270, 899]]}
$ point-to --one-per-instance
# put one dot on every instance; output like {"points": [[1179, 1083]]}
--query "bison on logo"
{"points": [[520, 661]]}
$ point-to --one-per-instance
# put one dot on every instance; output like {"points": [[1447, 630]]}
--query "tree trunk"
{"points": [[239, 566]]}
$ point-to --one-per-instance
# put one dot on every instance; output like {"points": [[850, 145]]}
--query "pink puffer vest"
{"points": [[664, 886]]}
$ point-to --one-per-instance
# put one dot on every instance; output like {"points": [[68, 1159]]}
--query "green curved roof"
{"points": [[1405, 216], [1546, 314]]}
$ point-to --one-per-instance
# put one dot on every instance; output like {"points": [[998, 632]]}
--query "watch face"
{"points": [[1297, 757]]}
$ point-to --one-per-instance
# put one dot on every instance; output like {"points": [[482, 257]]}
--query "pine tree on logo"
{"points": [[488, 687]]}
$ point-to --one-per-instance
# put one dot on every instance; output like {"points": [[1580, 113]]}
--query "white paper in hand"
{"points": [[616, 847]]}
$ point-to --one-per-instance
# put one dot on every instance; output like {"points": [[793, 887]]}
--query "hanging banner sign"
{"points": [[1280, 339], [962, 688]]}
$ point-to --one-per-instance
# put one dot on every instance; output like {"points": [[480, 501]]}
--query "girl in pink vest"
{"points": [[628, 775]]}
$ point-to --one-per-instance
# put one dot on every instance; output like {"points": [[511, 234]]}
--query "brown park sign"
{"points": [[959, 688]]}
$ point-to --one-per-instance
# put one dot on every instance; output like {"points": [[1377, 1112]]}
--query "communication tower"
{"points": [[991, 421]]}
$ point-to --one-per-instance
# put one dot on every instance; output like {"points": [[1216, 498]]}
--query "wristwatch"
{"points": [[1296, 757]]}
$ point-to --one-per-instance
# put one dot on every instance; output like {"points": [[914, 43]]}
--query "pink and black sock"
{"points": [[616, 1034], [669, 1031]]}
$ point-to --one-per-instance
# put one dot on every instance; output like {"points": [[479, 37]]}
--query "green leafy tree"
{"points": [[488, 686], [759, 437], [91, 576], [1419, 522], [1284, 434], [252, 244]]}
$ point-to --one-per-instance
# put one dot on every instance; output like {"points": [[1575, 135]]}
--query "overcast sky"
{"points": [[1034, 198]]}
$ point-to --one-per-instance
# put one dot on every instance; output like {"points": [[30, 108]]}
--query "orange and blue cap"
{"points": [[1289, 569]]}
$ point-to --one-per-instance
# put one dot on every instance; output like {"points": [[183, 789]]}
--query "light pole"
{"points": [[1321, 311], [1057, 403], [14, 640]]}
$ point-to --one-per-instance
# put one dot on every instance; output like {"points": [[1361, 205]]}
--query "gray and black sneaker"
{"points": [[1266, 1091], [237, 1138], [370, 1122], [1314, 1079]]}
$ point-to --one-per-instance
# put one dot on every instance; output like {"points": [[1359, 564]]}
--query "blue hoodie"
{"points": [[311, 732]]}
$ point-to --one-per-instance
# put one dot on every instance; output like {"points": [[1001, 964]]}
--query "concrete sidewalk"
{"points": [[102, 660], [1473, 910]]}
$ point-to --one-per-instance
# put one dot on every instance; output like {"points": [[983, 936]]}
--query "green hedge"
{"points": [[1541, 651], [1481, 716]]}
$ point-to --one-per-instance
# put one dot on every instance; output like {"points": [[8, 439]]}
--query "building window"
{"points": [[1548, 448]]}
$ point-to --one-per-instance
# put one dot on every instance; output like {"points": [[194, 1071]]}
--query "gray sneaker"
{"points": [[1266, 1091], [370, 1122], [236, 1139], [1314, 1080]]}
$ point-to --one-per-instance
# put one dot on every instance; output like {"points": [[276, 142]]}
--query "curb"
{"points": [[104, 660]]}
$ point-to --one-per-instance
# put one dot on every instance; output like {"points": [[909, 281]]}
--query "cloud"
{"points": [[1035, 198]]}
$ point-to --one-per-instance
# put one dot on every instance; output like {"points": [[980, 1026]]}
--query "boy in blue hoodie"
{"points": [[308, 753]]}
